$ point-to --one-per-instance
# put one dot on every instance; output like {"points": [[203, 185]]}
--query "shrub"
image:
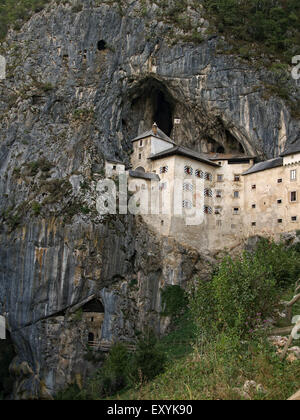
{"points": [[174, 301], [245, 290], [148, 361]]}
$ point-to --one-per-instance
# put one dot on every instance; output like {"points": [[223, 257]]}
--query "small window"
{"points": [[162, 222], [253, 187], [218, 210], [253, 224], [220, 178], [199, 173], [236, 210], [236, 194], [280, 181], [294, 218], [164, 169], [207, 210], [114, 168], [208, 176], [186, 204], [140, 156], [279, 201], [254, 206], [293, 196], [188, 187], [219, 194], [237, 178], [279, 221], [141, 143], [293, 175], [208, 192], [188, 170]]}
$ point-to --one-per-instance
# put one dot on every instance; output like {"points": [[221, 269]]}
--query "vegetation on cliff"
{"points": [[219, 344]]}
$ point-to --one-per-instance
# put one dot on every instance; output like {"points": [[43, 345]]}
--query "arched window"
{"points": [[188, 187], [187, 204], [208, 192], [207, 210], [199, 173], [208, 176], [188, 170], [163, 169]]}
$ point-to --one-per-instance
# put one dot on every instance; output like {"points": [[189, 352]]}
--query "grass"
{"points": [[214, 371]]}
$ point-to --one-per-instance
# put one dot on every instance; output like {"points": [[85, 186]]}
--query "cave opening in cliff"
{"points": [[94, 306], [101, 45], [7, 354], [151, 102]]}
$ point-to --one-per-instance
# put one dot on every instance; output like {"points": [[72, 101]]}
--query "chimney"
{"points": [[154, 129]]}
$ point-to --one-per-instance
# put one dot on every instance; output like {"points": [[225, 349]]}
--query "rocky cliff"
{"points": [[82, 80]]}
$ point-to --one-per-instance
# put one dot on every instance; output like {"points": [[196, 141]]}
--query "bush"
{"points": [[245, 291], [148, 361], [174, 301]]}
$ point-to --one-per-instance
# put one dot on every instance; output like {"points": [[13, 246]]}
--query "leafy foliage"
{"points": [[273, 24], [174, 301], [15, 12], [245, 290]]}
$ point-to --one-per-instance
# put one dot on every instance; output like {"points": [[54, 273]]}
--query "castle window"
{"points": [[218, 210], [141, 143], [140, 156], [163, 186], [188, 170], [208, 192], [237, 178], [199, 173], [253, 224], [220, 178], [236, 194], [280, 181], [219, 194], [163, 169], [207, 210], [236, 210], [208, 176], [186, 204], [294, 218], [279, 201], [114, 168], [253, 187], [293, 196], [293, 175], [279, 221], [254, 206], [188, 187]]}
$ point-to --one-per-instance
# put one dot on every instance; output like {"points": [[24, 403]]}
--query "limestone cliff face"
{"points": [[80, 84]]}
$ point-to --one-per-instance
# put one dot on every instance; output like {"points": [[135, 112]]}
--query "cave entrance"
{"points": [[7, 354], [93, 315], [151, 102], [162, 113]]}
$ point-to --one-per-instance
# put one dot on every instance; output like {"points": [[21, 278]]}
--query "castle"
{"points": [[236, 196]]}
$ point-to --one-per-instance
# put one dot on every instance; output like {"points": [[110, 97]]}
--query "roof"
{"points": [[263, 166], [144, 175], [222, 156], [160, 135], [183, 151], [293, 149], [118, 162]]}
